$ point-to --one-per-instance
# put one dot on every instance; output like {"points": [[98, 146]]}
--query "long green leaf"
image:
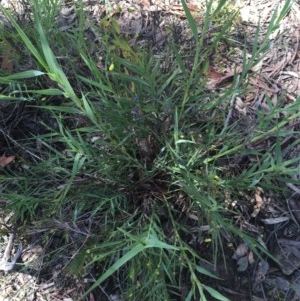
{"points": [[25, 39], [22, 75], [50, 92], [128, 256], [215, 294], [190, 19], [55, 71], [205, 272]]}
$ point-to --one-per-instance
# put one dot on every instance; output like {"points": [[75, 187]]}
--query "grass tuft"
{"points": [[141, 157]]}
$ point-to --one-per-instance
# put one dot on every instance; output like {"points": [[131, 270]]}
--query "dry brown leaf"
{"points": [[258, 82], [251, 257], [91, 296], [240, 106], [293, 203], [6, 160], [263, 268], [275, 220], [241, 251], [219, 79], [242, 264], [259, 203]]}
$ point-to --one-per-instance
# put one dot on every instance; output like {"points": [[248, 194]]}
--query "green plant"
{"points": [[137, 150]]}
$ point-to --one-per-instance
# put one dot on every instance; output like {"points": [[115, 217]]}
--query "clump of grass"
{"points": [[143, 155]]}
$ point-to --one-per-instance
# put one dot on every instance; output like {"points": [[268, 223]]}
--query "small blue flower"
{"points": [[136, 111]]}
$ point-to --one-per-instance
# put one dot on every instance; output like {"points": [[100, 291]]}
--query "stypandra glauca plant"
{"points": [[139, 151]]}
